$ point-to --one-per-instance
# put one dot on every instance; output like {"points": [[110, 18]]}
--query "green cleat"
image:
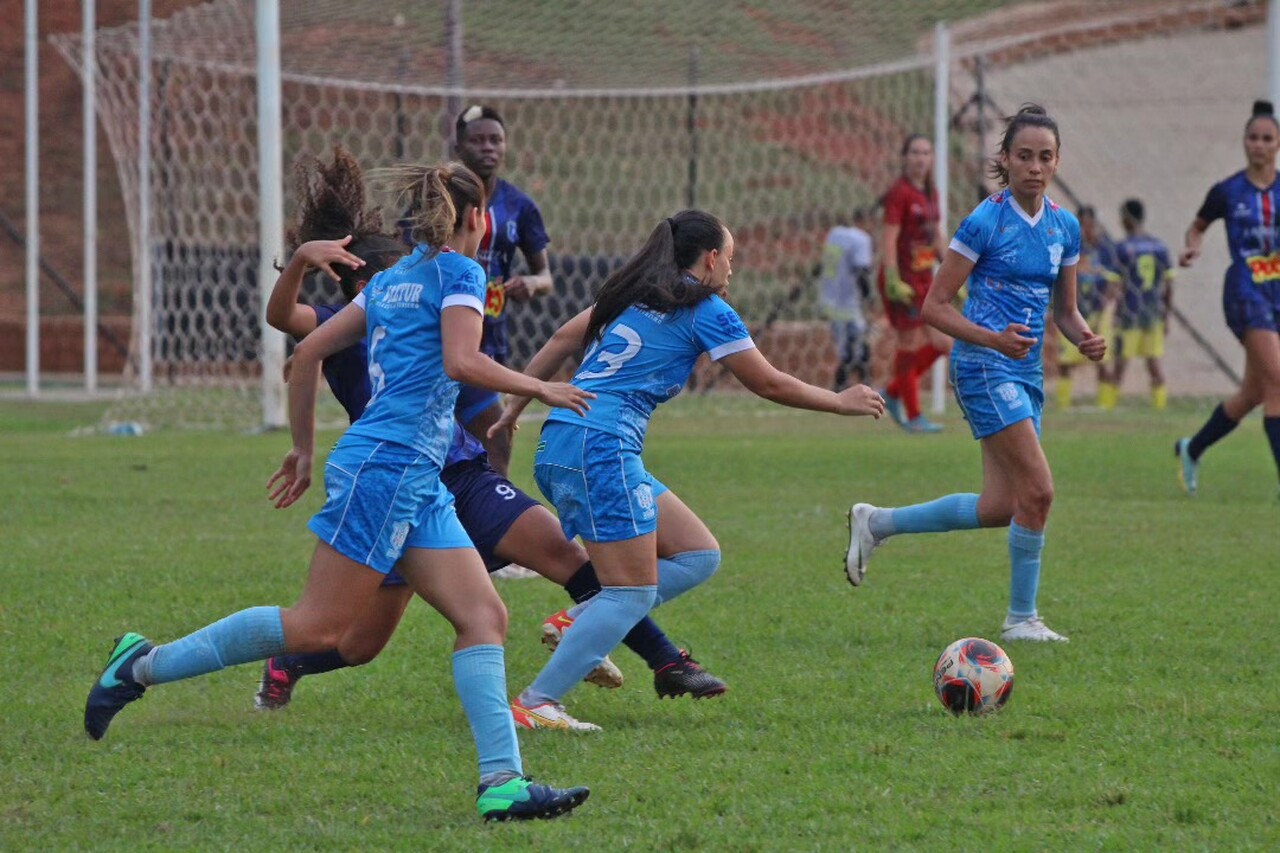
{"points": [[520, 798], [115, 688]]}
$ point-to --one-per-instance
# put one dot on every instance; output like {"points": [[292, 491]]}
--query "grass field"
{"points": [[1153, 729]]}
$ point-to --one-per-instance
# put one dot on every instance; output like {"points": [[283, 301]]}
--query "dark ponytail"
{"points": [[1028, 115], [1263, 110], [332, 203], [654, 276]]}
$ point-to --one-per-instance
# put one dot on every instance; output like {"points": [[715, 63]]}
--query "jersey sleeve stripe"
{"points": [[961, 249], [360, 300], [464, 299], [1071, 261], [741, 345]]}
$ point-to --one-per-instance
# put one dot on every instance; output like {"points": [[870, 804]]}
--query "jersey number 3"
{"points": [[611, 362]]}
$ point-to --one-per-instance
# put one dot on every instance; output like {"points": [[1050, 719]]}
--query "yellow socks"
{"points": [[1064, 392], [1159, 397]]}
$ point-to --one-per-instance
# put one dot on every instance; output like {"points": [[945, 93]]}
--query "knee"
{"points": [[1035, 500], [306, 634], [359, 650]]}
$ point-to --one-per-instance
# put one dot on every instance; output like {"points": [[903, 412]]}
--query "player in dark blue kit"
{"points": [[652, 320], [514, 224], [385, 505], [1246, 203], [503, 522], [1148, 293], [1017, 250]]}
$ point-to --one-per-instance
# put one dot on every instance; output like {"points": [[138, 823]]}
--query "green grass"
{"points": [[1153, 729]]}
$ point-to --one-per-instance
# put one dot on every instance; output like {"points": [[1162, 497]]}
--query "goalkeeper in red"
{"points": [[912, 242]]}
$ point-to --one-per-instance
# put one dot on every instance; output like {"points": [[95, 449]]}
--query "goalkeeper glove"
{"points": [[897, 290]]}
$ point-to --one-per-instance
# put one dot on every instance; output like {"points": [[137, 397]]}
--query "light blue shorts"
{"points": [[599, 488], [381, 498], [992, 399]]}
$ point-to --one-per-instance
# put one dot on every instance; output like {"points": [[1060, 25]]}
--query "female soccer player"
{"points": [[652, 320], [912, 242], [514, 222], [1246, 203], [1016, 250], [502, 521], [385, 505]]}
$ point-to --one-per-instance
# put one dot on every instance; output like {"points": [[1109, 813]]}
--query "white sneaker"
{"points": [[861, 543], [606, 674], [513, 572], [550, 715], [1032, 629]]}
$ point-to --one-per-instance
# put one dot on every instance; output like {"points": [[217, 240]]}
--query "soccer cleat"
{"points": [[687, 676], [549, 715], [1032, 629], [893, 407], [920, 425], [861, 543], [276, 688], [1187, 468], [514, 572], [115, 688], [606, 674], [521, 798]]}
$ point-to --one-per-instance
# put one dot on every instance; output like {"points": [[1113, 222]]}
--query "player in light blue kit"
{"points": [[1017, 250], [385, 503], [1247, 204], [652, 320]]}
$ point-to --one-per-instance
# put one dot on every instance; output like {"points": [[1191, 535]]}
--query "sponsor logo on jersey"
{"points": [[1264, 267], [403, 295], [923, 258], [495, 298]]}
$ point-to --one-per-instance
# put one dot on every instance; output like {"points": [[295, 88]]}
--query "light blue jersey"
{"points": [[644, 358], [1017, 259], [412, 398]]}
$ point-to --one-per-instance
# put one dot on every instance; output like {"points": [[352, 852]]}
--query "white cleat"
{"points": [[549, 715], [861, 543], [1032, 629], [514, 572], [606, 674]]}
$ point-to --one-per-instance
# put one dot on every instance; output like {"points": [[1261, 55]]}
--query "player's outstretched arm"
{"points": [[760, 377], [283, 311], [461, 329], [1194, 239]]}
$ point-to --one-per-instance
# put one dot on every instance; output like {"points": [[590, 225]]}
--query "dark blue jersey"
{"points": [[1144, 261], [1253, 237], [1094, 274]]}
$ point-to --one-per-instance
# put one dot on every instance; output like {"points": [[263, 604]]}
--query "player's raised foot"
{"points": [[549, 715], [861, 543], [1187, 467], [521, 798], [115, 688], [276, 687], [686, 676], [893, 408], [1032, 629], [606, 674], [922, 425]]}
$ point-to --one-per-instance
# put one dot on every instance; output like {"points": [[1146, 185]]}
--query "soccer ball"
{"points": [[973, 676]]}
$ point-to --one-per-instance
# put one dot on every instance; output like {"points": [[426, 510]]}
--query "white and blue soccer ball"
{"points": [[973, 676]]}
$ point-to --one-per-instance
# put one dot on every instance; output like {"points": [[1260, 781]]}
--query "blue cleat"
{"points": [[920, 425], [115, 688], [893, 406], [1188, 468], [520, 798]]}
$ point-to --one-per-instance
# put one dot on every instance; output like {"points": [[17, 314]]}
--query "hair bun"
{"points": [[1263, 108], [1032, 109]]}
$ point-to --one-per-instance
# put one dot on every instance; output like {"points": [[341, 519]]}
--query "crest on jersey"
{"points": [[1055, 256], [511, 230]]}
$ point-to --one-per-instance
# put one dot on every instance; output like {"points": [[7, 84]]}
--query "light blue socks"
{"points": [[613, 612], [1025, 547], [681, 572], [480, 676], [253, 634], [951, 512]]}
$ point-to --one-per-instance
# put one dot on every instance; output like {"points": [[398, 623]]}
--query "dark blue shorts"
{"points": [[487, 504], [1251, 306]]}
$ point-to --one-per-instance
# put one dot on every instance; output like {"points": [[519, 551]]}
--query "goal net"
{"points": [[780, 117]]}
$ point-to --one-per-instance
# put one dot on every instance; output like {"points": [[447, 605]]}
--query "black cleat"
{"points": [[115, 688], [686, 676]]}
